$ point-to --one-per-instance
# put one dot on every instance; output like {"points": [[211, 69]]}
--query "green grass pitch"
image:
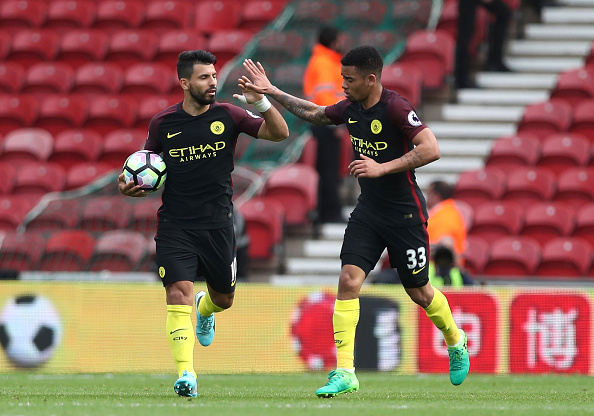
{"points": [[381, 394]]}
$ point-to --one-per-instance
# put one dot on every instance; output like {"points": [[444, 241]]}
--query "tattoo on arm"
{"points": [[303, 109], [413, 159]]}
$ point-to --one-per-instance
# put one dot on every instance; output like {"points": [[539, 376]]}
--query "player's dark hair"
{"points": [[327, 36], [187, 60], [443, 189], [366, 59]]}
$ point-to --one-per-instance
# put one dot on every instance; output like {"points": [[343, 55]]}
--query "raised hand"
{"points": [[259, 81]]}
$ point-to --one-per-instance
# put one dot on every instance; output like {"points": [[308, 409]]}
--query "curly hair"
{"points": [[366, 59]]}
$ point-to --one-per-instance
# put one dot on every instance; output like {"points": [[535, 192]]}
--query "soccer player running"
{"points": [[195, 234], [390, 142]]}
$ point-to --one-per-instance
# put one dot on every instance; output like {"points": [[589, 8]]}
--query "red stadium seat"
{"points": [[12, 77], [513, 256], [98, 78], [545, 221], [118, 251], [404, 78], [119, 144], [59, 112], [105, 213], [38, 178], [264, 219], [144, 215], [149, 107], [163, 15], [130, 46], [13, 209], [313, 14], [48, 78], [309, 154], [493, 220], [408, 16], [526, 185], [522, 149], [66, 15], [575, 186], [16, 15], [148, 262], [83, 174], [26, 145], [112, 15], [20, 251], [31, 46], [8, 175], [214, 16], [383, 40], [574, 86], [78, 47], [583, 119], [67, 250], [17, 111], [76, 146], [296, 187], [546, 118], [256, 14], [364, 14], [561, 151], [226, 44], [172, 42], [565, 257], [433, 53], [478, 186], [110, 112], [476, 254], [278, 48], [146, 78], [57, 215], [5, 44], [584, 223]]}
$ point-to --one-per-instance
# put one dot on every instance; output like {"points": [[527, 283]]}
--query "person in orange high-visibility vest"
{"points": [[322, 84]]}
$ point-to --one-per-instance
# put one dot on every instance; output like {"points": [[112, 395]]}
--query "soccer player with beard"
{"points": [[390, 142], [195, 236]]}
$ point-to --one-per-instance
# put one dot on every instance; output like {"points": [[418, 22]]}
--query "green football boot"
{"points": [[459, 361], [339, 381]]}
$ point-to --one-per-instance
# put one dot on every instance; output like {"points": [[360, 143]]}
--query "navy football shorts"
{"points": [[190, 254], [408, 249]]}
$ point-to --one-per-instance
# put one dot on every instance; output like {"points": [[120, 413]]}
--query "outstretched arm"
{"points": [[303, 109], [426, 150]]}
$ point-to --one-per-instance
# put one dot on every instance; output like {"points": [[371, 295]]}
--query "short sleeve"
{"points": [[246, 121], [405, 117], [335, 111]]}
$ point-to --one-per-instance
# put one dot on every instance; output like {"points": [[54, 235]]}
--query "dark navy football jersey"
{"points": [[199, 154], [384, 132]]}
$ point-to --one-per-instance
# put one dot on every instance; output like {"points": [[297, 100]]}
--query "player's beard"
{"points": [[201, 98]]}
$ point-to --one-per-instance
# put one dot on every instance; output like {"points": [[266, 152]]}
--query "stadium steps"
{"points": [[466, 129]]}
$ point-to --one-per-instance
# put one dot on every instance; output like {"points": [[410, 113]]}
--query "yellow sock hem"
{"points": [[206, 306], [440, 314]]}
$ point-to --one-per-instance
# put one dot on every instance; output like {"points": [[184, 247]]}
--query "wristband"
{"points": [[263, 104]]}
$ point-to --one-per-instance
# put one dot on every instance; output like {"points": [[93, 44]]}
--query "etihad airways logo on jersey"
{"points": [[368, 148], [204, 151]]}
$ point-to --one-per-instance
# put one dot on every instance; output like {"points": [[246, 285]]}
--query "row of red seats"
{"points": [[541, 221], [123, 47], [522, 257], [101, 113], [68, 148], [206, 16], [77, 250], [526, 185], [558, 115]]}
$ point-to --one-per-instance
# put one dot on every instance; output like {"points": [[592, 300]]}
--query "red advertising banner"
{"points": [[477, 313], [550, 332]]}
